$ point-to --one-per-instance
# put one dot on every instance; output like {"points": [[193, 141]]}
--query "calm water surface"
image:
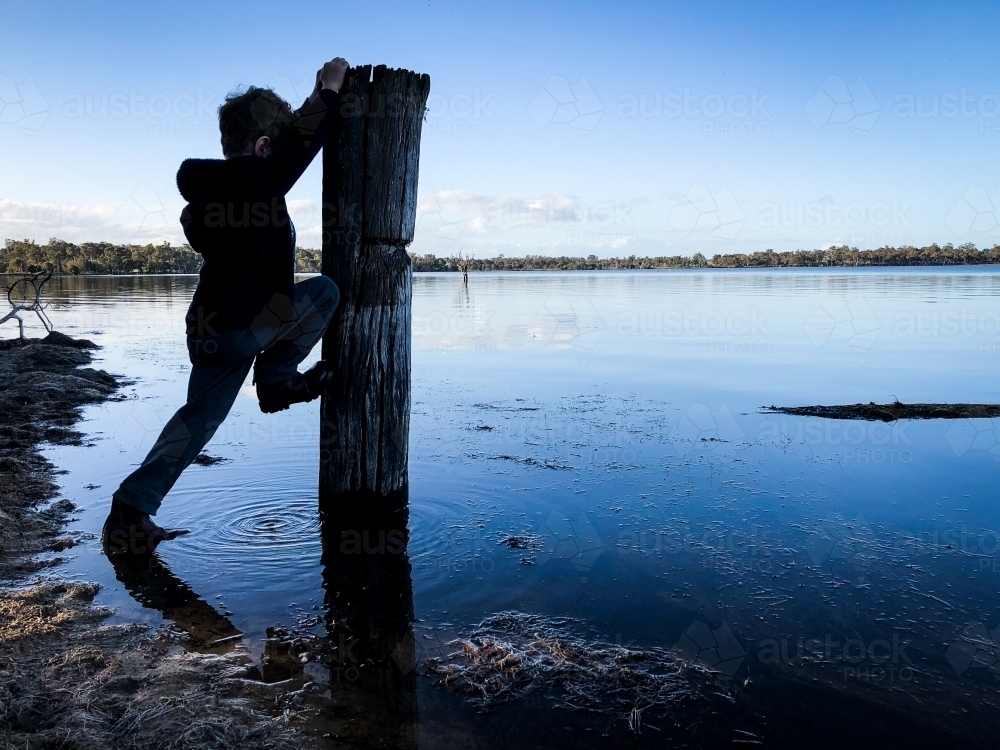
{"points": [[843, 577]]}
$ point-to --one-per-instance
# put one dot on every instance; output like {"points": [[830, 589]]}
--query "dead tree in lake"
{"points": [[463, 263], [369, 211]]}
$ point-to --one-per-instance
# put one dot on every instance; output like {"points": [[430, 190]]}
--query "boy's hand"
{"points": [[331, 75]]}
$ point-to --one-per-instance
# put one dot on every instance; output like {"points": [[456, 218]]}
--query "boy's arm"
{"points": [[315, 121], [330, 76]]}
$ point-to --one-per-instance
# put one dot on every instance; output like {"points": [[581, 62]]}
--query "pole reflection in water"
{"points": [[369, 615]]}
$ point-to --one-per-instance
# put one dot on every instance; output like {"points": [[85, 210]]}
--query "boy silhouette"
{"points": [[247, 310]]}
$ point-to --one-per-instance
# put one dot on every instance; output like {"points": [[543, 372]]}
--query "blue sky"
{"points": [[554, 128]]}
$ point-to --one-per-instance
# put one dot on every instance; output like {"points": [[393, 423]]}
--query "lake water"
{"points": [[843, 578]]}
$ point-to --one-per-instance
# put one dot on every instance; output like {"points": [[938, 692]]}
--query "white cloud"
{"points": [[101, 222], [141, 217], [307, 216], [448, 218]]}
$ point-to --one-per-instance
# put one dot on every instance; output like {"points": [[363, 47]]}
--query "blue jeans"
{"points": [[274, 345]]}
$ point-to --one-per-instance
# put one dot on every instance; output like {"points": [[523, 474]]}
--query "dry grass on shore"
{"points": [[70, 682]]}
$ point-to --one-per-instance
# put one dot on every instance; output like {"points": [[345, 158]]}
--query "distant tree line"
{"points": [[932, 255], [20, 256], [25, 256], [559, 263]]}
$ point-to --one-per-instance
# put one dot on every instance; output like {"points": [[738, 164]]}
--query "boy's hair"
{"points": [[247, 115]]}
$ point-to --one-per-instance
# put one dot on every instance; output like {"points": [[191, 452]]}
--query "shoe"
{"points": [[299, 389], [130, 531]]}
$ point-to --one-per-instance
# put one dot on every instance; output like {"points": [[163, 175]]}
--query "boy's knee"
{"points": [[321, 293], [330, 293]]}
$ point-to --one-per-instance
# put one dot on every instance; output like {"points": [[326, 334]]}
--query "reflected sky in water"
{"points": [[589, 445]]}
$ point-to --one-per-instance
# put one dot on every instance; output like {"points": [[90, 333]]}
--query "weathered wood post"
{"points": [[369, 211]]}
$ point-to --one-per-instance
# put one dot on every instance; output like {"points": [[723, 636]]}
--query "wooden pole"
{"points": [[370, 170]]}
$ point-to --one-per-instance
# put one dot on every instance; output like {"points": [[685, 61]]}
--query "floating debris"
{"points": [[499, 407], [544, 463], [873, 412], [206, 459], [522, 541]]}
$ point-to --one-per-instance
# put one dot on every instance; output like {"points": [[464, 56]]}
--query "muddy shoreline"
{"points": [[66, 678]]}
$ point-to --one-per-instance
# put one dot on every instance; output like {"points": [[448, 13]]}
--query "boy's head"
{"points": [[248, 116]]}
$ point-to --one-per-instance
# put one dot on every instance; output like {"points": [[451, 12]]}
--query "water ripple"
{"points": [[260, 531]]}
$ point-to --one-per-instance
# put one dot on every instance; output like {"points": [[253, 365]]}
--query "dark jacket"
{"points": [[237, 219]]}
